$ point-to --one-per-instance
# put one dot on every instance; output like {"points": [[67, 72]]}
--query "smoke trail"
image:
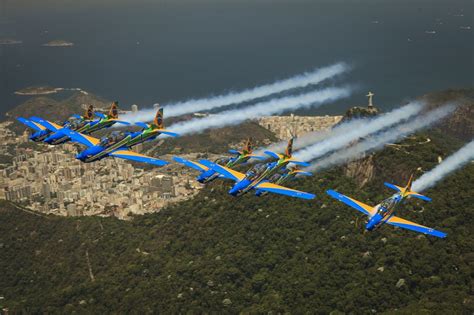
{"points": [[379, 140], [196, 105], [450, 164], [346, 133], [271, 107]]}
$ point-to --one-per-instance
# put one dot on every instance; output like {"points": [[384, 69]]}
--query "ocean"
{"points": [[145, 52]]}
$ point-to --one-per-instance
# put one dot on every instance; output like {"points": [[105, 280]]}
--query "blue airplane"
{"points": [[114, 145], [384, 212], [208, 175], [42, 132], [257, 177]]}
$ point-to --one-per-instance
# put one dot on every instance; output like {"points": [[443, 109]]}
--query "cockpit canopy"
{"points": [[114, 137], [389, 203]]}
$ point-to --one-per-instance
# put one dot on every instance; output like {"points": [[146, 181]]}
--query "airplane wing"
{"points": [[360, 206], [169, 133], [277, 189], [295, 161], [142, 125], [258, 157], [46, 123], [225, 171], [137, 157], [394, 187], [273, 154], [303, 173], [86, 140], [419, 196], [31, 124], [197, 166], [405, 224]]}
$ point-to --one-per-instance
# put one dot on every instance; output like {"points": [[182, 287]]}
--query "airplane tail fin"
{"points": [[158, 122], [89, 113], [289, 148], [247, 149], [406, 191], [113, 112]]}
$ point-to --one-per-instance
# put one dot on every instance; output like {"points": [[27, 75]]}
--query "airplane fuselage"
{"points": [[385, 210], [142, 136], [99, 152], [247, 183], [95, 126]]}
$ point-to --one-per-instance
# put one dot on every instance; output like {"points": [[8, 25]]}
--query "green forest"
{"points": [[273, 254]]}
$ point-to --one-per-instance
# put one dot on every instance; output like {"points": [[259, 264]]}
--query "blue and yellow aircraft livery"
{"points": [[257, 178], [208, 174], [286, 175], [384, 212], [50, 132], [117, 144]]}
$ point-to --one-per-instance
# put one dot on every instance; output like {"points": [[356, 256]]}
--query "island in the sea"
{"points": [[44, 90], [10, 41], [38, 90], [59, 43]]}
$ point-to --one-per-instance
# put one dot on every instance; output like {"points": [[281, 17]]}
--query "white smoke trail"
{"points": [[351, 131], [196, 105], [271, 107], [450, 164], [380, 140]]}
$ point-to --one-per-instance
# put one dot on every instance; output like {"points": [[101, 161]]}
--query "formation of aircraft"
{"points": [[51, 133], [208, 174], [118, 143], [257, 178], [384, 212], [262, 178]]}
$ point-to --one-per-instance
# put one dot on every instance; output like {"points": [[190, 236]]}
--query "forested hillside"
{"points": [[216, 253]]}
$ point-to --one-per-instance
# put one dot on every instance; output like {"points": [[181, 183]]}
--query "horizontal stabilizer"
{"points": [[169, 133], [394, 187], [142, 125], [277, 189], [121, 122], [232, 151], [31, 124], [137, 157], [419, 196], [273, 154], [258, 157], [226, 172], [405, 224], [303, 173], [300, 163], [197, 166]]}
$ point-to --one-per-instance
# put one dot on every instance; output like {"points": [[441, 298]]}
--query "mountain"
{"points": [[219, 254], [55, 109]]}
